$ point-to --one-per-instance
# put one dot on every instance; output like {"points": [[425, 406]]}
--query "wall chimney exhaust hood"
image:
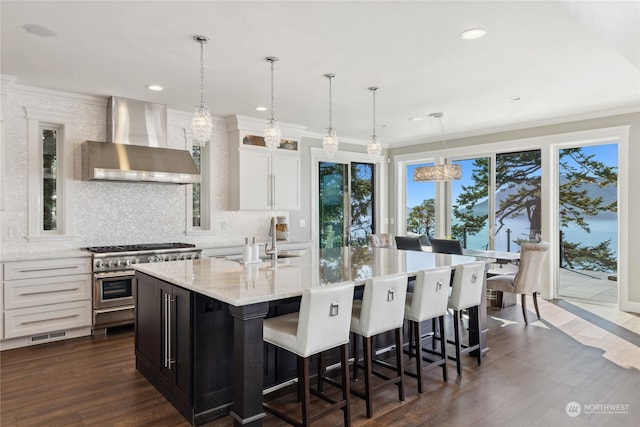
{"points": [[137, 150]]}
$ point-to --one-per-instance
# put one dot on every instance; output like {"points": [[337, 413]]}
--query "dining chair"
{"points": [[428, 301], [527, 279], [380, 240], [408, 243], [446, 246], [321, 324], [380, 310], [466, 293]]}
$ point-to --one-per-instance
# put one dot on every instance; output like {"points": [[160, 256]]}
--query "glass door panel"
{"points": [[517, 200], [420, 199], [362, 203], [588, 219], [346, 203], [470, 207], [333, 191]]}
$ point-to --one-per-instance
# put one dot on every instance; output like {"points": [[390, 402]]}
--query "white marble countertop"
{"points": [[238, 284]]}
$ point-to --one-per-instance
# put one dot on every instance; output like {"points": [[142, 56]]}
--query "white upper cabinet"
{"points": [[260, 179]]}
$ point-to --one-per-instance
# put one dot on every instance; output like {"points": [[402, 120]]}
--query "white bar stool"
{"points": [[428, 301], [380, 310], [466, 293], [321, 324]]}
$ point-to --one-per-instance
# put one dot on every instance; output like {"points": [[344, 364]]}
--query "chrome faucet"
{"points": [[274, 250]]}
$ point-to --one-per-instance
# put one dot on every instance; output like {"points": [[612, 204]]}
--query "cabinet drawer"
{"points": [[46, 268], [49, 318], [46, 290]]}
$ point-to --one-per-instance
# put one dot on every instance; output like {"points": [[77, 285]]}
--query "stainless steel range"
{"points": [[113, 278]]}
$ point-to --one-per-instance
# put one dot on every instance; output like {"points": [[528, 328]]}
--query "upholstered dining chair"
{"points": [[381, 240], [408, 243], [446, 246], [527, 280]]}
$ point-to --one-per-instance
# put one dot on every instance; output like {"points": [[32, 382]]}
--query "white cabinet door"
{"points": [[286, 180], [255, 180], [269, 181]]}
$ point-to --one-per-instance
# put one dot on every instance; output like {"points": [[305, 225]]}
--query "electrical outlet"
{"points": [[302, 223], [223, 226]]}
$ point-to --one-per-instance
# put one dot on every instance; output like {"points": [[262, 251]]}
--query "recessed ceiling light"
{"points": [[155, 88], [473, 33], [261, 108], [39, 30], [417, 119], [514, 98]]}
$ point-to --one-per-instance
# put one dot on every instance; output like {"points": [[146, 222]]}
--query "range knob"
{"points": [[183, 256], [153, 258], [118, 263], [127, 262], [109, 263], [135, 261], [99, 263]]}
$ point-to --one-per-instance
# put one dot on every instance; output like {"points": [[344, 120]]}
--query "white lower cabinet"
{"points": [[45, 300]]}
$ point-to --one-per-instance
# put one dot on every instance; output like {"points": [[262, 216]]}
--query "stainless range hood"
{"points": [[137, 150]]}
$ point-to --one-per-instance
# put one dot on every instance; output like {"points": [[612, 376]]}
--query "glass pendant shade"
{"points": [[330, 142], [374, 149], [201, 124], [272, 135], [447, 172]]}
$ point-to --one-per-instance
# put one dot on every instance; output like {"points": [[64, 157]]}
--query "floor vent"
{"points": [[44, 337]]}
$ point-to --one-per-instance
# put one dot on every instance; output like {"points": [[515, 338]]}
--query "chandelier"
{"points": [[444, 172], [330, 140], [201, 124], [374, 149], [272, 133]]}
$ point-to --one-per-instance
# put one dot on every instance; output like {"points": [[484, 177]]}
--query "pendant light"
{"points": [[272, 133], [444, 172], [201, 124], [374, 149], [330, 140]]}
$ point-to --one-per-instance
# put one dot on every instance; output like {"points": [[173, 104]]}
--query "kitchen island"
{"points": [[209, 312]]}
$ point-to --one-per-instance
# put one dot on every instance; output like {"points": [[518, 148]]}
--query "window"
{"points": [[50, 178], [196, 193]]}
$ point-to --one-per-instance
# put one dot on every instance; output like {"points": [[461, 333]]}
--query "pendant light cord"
{"points": [[272, 93], [330, 103], [201, 72], [374, 112]]}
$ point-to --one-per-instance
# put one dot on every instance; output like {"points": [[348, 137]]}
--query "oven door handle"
{"points": [[111, 274]]}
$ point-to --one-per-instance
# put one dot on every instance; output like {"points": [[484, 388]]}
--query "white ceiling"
{"points": [[562, 58]]}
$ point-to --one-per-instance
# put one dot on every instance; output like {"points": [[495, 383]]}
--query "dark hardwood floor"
{"points": [[528, 377]]}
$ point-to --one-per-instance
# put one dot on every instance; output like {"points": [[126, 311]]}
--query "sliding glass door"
{"points": [[588, 222], [346, 203]]}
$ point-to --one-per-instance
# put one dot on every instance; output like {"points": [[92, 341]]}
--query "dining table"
{"points": [[248, 289]]}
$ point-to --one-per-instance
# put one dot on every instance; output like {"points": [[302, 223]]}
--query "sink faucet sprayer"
{"points": [[274, 250]]}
